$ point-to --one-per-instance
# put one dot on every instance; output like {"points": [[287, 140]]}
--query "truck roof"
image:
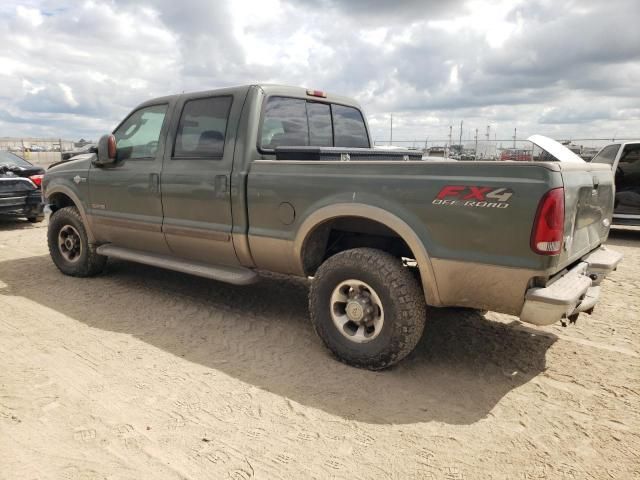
{"points": [[268, 89]]}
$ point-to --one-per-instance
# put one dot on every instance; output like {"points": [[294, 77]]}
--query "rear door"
{"points": [[195, 181]]}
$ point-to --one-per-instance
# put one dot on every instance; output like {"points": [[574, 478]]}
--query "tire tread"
{"points": [[408, 325], [93, 264]]}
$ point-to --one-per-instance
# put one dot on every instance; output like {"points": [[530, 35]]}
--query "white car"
{"points": [[624, 158]]}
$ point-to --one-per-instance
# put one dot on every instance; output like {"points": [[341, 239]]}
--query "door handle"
{"points": [[154, 183]]}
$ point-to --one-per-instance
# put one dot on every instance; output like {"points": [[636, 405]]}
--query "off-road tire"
{"points": [[89, 262], [36, 219], [402, 300]]}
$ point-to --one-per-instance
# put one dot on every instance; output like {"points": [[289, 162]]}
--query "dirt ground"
{"points": [[143, 373]]}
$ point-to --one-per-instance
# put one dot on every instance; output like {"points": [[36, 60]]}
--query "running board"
{"points": [[235, 275]]}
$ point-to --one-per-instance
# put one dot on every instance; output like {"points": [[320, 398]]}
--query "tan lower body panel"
{"points": [[273, 254], [487, 287]]}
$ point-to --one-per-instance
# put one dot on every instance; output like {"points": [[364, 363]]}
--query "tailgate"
{"points": [[589, 192]]}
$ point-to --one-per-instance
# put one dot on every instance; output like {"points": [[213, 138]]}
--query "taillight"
{"points": [[36, 179], [548, 227]]}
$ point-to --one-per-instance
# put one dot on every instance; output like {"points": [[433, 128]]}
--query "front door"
{"points": [[125, 207], [196, 189], [627, 205]]}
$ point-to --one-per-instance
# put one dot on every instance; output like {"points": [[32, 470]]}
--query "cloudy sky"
{"points": [[566, 69]]}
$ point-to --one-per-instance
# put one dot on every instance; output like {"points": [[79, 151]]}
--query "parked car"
{"points": [[20, 194], [227, 182], [624, 160], [516, 154], [77, 151]]}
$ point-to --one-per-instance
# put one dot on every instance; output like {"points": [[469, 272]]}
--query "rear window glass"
{"points": [[320, 131], [349, 128], [8, 158], [285, 123], [296, 122], [202, 128]]}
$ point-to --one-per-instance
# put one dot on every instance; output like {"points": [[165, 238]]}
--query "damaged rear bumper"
{"points": [[576, 290], [22, 204]]}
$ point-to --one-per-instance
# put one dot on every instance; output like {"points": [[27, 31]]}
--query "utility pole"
{"points": [[461, 135], [391, 131], [476, 152], [515, 131], [450, 132]]}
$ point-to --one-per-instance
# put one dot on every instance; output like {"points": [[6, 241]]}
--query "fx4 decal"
{"points": [[472, 196]]}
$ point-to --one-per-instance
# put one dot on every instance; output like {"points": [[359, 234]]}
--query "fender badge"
{"points": [[79, 179]]}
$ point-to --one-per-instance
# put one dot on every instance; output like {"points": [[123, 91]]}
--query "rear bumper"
{"points": [[22, 205], [575, 291]]}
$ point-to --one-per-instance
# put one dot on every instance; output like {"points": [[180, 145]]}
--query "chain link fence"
{"points": [[496, 149], [39, 151]]}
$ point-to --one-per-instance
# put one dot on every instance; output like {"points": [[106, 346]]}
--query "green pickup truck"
{"points": [[225, 183]]}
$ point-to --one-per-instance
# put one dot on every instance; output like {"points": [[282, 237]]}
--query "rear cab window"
{"points": [[349, 128], [298, 122]]}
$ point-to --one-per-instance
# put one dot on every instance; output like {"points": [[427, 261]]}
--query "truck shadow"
{"points": [[261, 335]]}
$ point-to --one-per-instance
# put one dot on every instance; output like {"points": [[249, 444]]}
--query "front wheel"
{"points": [[368, 308], [69, 245]]}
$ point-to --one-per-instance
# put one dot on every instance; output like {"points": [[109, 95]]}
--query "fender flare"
{"points": [[382, 216], [76, 200]]}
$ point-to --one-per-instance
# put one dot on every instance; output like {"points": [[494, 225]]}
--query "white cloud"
{"points": [[32, 16], [67, 93], [74, 69]]}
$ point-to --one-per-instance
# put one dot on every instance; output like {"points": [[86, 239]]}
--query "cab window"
{"points": [[202, 128], [320, 128], [139, 135], [349, 128], [285, 123], [298, 122]]}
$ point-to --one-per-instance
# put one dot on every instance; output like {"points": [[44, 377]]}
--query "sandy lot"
{"points": [[143, 373]]}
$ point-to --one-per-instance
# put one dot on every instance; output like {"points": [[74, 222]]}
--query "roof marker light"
{"points": [[316, 93]]}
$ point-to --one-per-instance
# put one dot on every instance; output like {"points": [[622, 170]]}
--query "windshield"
{"points": [[8, 158], [607, 154]]}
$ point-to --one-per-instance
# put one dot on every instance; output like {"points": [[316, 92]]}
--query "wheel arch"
{"points": [[325, 215], [60, 196]]}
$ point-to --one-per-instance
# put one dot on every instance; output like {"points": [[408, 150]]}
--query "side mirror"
{"points": [[106, 150]]}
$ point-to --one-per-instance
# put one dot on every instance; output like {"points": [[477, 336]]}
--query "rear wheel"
{"points": [[69, 245], [368, 308]]}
